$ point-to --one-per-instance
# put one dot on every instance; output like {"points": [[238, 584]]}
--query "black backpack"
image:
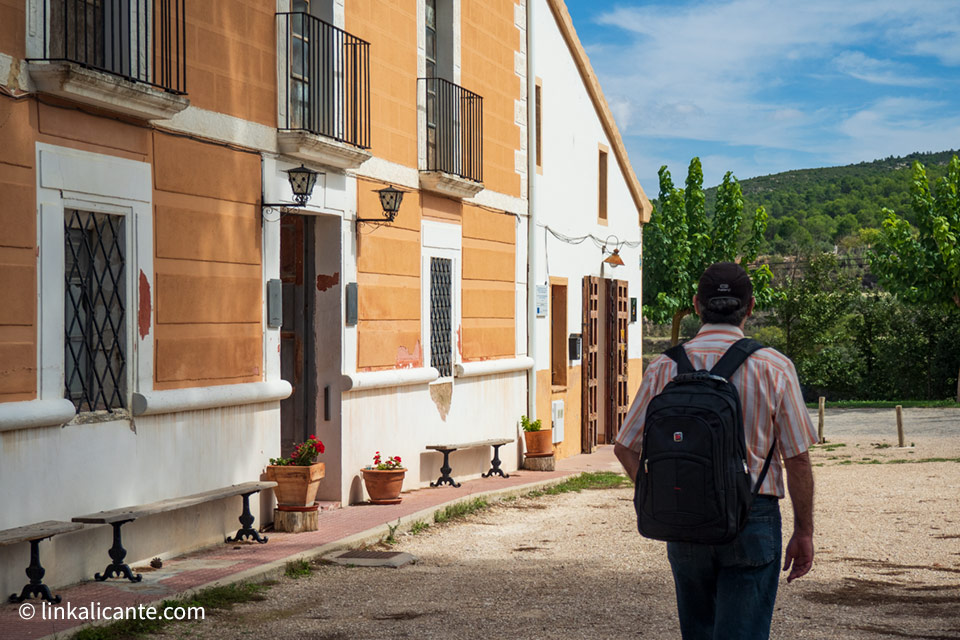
{"points": [[694, 482]]}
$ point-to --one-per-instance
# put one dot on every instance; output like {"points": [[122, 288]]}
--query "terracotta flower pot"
{"points": [[296, 486], [383, 486], [538, 443]]}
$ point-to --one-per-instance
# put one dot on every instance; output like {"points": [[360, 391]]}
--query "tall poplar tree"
{"points": [[681, 241], [922, 264]]}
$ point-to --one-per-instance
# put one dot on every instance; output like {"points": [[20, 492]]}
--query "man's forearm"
{"points": [[800, 486], [629, 458]]}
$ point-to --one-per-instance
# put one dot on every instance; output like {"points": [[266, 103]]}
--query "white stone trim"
{"points": [[196, 398], [501, 201], [364, 380], [441, 240], [492, 367], [449, 185], [35, 413], [328, 152], [70, 178], [222, 127], [384, 171]]}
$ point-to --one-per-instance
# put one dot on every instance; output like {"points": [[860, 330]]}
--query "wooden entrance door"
{"points": [[618, 319], [589, 404], [295, 334]]}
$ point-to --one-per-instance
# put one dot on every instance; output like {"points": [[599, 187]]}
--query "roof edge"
{"points": [[589, 77]]}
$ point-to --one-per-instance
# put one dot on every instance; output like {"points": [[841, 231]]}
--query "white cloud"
{"points": [[862, 67], [728, 72]]}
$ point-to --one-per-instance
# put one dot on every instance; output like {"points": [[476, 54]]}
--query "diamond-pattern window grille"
{"points": [[441, 353], [94, 310]]}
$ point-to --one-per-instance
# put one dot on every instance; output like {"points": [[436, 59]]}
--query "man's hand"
{"points": [[629, 458], [799, 555]]}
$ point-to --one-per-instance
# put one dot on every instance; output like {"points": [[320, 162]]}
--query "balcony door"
{"points": [[316, 68]]}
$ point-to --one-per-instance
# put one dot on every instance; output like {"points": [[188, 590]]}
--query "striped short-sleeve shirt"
{"points": [[769, 395]]}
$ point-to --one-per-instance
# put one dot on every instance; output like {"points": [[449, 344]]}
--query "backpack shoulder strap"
{"points": [[679, 355], [735, 356]]}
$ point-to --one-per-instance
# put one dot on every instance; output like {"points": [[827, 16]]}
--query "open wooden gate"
{"points": [[589, 404], [618, 394]]}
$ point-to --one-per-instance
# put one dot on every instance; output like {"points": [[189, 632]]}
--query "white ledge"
{"points": [[196, 398], [313, 147], [491, 367], [35, 413], [106, 91], [450, 185], [362, 380]]}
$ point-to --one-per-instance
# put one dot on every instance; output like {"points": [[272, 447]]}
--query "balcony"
{"points": [[452, 138], [325, 92], [127, 56]]}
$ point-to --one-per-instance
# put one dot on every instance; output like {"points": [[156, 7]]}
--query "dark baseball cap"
{"points": [[725, 280]]}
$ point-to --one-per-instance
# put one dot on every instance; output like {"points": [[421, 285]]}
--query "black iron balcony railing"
{"points": [[328, 79], [139, 40], [454, 128]]}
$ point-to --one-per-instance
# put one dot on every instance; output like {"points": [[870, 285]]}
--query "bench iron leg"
{"points": [[495, 464], [35, 572], [118, 568], [445, 471], [246, 519]]}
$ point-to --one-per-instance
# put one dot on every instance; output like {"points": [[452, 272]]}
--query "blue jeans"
{"points": [[727, 592]]}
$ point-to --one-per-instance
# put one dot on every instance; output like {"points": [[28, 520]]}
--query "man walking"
{"points": [[728, 591]]}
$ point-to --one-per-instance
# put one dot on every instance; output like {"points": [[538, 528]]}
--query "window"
{"points": [[538, 130], [558, 335], [441, 315], [94, 310], [430, 41], [602, 186]]}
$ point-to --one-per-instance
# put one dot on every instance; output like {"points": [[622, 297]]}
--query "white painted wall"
{"points": [[567, 188], [57, 473], [402, 421]]}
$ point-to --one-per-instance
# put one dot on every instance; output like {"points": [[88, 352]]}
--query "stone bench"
{"points": [[447, 449], [119, 517], [34, 533]]}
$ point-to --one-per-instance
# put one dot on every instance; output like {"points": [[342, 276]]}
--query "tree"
{"points": [[922, 264], [681, 241]]}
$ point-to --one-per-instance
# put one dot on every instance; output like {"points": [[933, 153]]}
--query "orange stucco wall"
{"points": [[489, 290], [18, 262], [391, 28], [489, 40], [207, 266], [232, 58], [12, 31], [388, 284], [571, 395]]}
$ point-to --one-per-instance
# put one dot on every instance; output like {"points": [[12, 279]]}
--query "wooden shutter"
{"points": [[590, 405], [618, 319]]}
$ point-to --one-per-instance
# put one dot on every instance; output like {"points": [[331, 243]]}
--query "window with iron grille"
{"points": [[94, 310], [441, 315]]}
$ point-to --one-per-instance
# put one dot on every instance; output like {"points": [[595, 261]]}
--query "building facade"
{"points": [[148, 222]]}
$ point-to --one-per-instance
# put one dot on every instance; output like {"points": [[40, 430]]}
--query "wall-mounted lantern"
{"points": [[390, 199], [302, 180], [614, 257]]}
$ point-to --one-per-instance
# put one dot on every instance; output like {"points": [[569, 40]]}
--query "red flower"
{"points": [[313, 437]]}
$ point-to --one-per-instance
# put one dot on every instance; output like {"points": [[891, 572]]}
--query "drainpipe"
{"points": [[532, 274]]}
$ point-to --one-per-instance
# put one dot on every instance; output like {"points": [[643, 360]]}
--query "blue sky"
{"points": [[763, 86]]}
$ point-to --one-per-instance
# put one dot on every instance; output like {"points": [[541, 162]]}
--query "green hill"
{"points": [[817, 208]]}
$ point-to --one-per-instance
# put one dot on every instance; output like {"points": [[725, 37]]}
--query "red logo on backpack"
{"points": [[678, 436]]}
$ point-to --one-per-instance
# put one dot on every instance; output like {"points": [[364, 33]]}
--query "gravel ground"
{"points": [[572, 565]]}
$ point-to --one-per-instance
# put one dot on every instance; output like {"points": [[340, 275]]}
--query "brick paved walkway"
{"points": [[228, 563]]}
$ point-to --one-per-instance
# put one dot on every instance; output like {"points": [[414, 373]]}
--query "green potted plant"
{"points": [[538, 441], [298, 477], [384, 479]]}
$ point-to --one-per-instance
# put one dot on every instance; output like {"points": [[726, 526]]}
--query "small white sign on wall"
{"points": [[543, 298]]}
